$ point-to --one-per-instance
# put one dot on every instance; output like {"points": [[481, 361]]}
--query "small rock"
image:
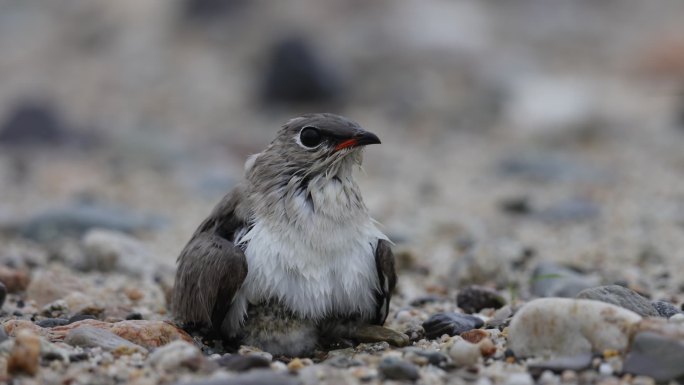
{"points": [[576, 363], [562, 326], [80, 317], [487, 347], [238, 363], [433, 357], [620, 296], [551, 280], [546, 167], [3, 294], [3, 335], [519, 379], [450, 323], [25, 355], [472, 299], [148, 334], [665, 309], [50, 285], [394, 368], [474, 336], [572, 210], [52, 322], [463, 353], [178, 354], [297, 75], [90, 337], [32, 122], [295, 365], [254, 377], [108, 250], [656, 356], [13, 280]]}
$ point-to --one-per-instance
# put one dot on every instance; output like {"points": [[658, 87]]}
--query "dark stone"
{"points": [[52, 356], [32, 123], [516, 206], [665, 309], [3, 335], [80, 317], [472, 299], [434, 357], [547, 167], [52, 322], [238, 363], [420, 301], [655, 356], [3, 294], [205, 10], [343, 362], [552, 280], [20, 303], [450, 323], [620, 296], [558, 365], [134, 316], [393, 368], [76, 357], [572, 210], [296, 75], [254, 377], [17, 313]]}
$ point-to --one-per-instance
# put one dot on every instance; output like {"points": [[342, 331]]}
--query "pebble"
{"points": [[655, 355], [148, 334], [13, 280], [431, 356], [90, 337], [254, 377], [451, 324], [25, 355], [54, 284], [52, 322], [463, 353], [179, 354], [665, 309], [472, 299], [519, 379], [474, 336], [239, 363], [32, 122], [620, 296], [552, 280], [571, 210], [562, 326], [3, 294], [393, 368], [109, 250], [577, 362]]}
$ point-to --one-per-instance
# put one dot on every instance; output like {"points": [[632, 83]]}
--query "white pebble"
{"points": [[605, 369], [519, 379], [463, 353]]}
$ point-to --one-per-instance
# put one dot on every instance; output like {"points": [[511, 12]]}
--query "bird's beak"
{"points": [[362, 139]]}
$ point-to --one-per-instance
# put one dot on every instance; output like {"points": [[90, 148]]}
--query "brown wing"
{"points": [[384, 261], [211, 268]]}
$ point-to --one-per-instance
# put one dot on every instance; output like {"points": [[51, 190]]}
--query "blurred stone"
{"points": [[91, 337], [148, 334], [239, 363], [657, 356], [52, 322], [475, 336], [253, 377], [450, 324], [33, 123], [14, 280], [3, 294], [75, 220], [179, 354], [205, 10], [547, 167], [108, 250], [571, 210], [557, 365], [516, 205], [463, 353], [552, 280], [54, 284], [25, 355], [296, 75], [472, 299], [393, 368], [562, 326], [620, 296]]}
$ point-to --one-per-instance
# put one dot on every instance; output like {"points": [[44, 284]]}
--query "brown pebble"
{"points": [[134, 294], [487, 348], [148, 334], [25, 355], [295, 365], [474, 336], [14, 280]]}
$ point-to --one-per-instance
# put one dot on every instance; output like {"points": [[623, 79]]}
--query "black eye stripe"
{"points": [[310, 136]]}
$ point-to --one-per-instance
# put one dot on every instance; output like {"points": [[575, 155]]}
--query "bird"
{"points": [[290, 260]]}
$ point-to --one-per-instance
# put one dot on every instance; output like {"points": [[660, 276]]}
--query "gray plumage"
{"points": [[291, 254]]}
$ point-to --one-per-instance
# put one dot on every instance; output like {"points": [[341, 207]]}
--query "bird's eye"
{"points": [[310, 137]]}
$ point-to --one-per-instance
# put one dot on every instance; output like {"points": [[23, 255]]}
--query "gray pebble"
{"points": [[655, 356], [665, 309], [52, 322], [620, 296], [343, 362], [3, 294], [393, 368], [558, 365], [238, 363], [472, 299], [552, 280], [254, 377], [450, 323], [90, 337]]}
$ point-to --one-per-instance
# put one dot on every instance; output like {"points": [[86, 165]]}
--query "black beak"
{"points": [[362, 139]]}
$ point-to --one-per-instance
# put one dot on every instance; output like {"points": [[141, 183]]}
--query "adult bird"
{"points": [[291, 260]]}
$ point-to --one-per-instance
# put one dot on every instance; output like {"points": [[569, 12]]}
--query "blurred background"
{"points": [[513, 132]]}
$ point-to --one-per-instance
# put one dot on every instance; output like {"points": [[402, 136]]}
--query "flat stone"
{"points": [[25, 355], [239, 363], [620, 296], [472, 299], [451, 324], [557, 365], [665, 309], [254, 377], [148, 334], [562, 326], [13, 280], [393, 368], [657, 356], [52, 322], [552, 280], [90, 337], [179, 355]]}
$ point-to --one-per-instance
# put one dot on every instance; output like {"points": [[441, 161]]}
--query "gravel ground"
{"points": [[530, 176]]}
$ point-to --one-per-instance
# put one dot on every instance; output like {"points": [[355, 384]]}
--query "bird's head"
{"points": [[313, 145]]}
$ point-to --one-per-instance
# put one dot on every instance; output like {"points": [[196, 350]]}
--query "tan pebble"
{"points": [[134, 294], [295, 365], [609, 353], [487, 347], [13, 326], [14, 280], [474, 336], [568, 376], [25, 355]]}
